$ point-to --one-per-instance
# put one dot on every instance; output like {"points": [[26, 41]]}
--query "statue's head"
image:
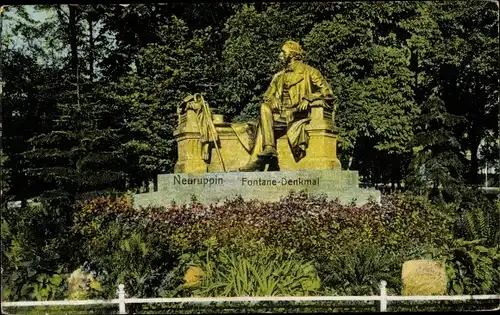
{"points": [[291, 50]]}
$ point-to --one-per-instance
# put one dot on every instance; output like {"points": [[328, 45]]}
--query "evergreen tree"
{"points": [[81, 154], [101, 165], [437, 160]]}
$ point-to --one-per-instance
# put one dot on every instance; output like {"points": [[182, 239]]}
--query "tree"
{"points": [[165, 73], [250, 55], [27, 111], [455, 47], [81, 154], [437, 159], [470, 72], [362, 56]]}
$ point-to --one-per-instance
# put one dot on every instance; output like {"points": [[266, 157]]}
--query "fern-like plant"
{"points": [[482, 223], [360, 271]]}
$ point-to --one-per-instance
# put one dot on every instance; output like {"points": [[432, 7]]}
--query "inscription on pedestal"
{"points": [[264, 186]]}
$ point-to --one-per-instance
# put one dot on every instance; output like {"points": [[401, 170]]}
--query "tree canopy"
{"points": [[90, 96]]}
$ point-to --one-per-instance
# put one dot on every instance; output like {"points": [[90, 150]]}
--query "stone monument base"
{"points": [[264, 186]]}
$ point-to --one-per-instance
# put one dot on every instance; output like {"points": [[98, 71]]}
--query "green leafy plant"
{"points": [[472, 268], [481, 222], [33, 283], [360, 271], [267, 272], [31, 266], [121, 256]]}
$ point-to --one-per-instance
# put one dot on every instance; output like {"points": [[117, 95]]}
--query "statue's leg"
{"points": [[267, 125], [267, 128], [257, 147], [264, 146], [254, 163]]}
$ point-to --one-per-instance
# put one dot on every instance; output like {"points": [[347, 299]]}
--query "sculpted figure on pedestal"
{"points": [[294, 130], [286, 104]]}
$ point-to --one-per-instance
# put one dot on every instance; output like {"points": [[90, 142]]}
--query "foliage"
{"points": [[250, 53], [82, 155], [398, 227], [166, 71], [370, 72], [386, 62], [360, 271], [468, 66], [472, 268], [267, 272], [4, 183], [150, 249], [120, 252], [27, 105], [437, 158], [399, 222], [480, 219], [30, 269]]}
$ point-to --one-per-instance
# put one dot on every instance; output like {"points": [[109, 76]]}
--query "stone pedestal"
{"points": [[187, 135], [264, 186]]}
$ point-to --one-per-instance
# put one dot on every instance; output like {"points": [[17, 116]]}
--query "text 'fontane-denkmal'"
{"points": [[245, 181], [284, 181]]}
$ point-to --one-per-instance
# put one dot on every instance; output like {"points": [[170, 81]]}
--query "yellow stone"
{"points": [[423, 277], [80, 284], [193, 276]]}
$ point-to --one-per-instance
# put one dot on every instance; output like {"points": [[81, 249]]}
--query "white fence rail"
{"points": [[383, 298]]}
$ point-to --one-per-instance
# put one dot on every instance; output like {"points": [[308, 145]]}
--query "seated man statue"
{"points": [[286, 103]]}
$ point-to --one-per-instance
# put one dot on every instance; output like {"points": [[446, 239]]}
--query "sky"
{"points": [[18, 42], [10, 14]]}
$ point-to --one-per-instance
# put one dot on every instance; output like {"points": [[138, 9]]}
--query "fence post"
{"points": [[121, 299], [383, 296], [1, 268]]}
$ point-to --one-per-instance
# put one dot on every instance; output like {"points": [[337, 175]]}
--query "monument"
{"points": [[292, 147]]}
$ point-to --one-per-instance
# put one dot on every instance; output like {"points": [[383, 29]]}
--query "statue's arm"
{"points": [[270, 94], [323, 91]]}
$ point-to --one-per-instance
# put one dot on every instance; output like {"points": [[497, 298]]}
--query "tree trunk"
{"points": [[74, 49], [1, 74], [91, 53], [155, 182], [474, 162]]}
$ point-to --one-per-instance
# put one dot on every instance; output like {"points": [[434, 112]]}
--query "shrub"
{"points": [[33, 260], [120, 246], [400, 222], [142, 244], [471, 268], [480, 221]]}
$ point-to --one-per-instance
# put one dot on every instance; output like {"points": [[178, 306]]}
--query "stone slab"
{"points": [[265, 186], [423, 277]]}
